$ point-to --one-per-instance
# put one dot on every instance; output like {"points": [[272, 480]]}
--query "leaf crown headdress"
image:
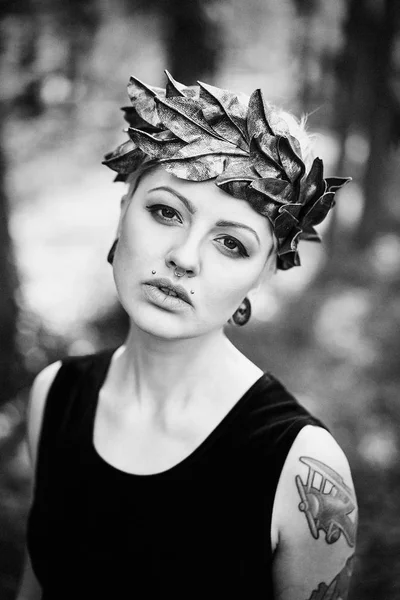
{"points": [[203, 132]]}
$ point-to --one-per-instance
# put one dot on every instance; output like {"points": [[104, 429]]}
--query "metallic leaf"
{"points": [[225, 113], [335, 183], [309, 234], [264, 155], [318, 211], [257, 122], [213, 146], [200, 168], [288, 260], [284, 223], [142, 98], [292, 164], [184, 118], [135, 120], [275, 190], [176, 89], [125, 159], [314, 185], [236, 188], [237, 169], [156, 147]]}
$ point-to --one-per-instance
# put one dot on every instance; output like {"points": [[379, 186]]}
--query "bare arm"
{"points": [[29, 587], [315, 514]]}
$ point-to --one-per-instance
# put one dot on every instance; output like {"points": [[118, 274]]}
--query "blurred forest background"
{"points": [[329, 330]]}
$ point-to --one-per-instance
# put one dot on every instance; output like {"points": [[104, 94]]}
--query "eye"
{"points": [[234, 247], [162, 212]]}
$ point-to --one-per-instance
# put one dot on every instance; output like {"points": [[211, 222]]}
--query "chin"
{"points": [[169, 326], [160, 324]]}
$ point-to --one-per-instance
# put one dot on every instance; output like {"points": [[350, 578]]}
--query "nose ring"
{"points": [[179, 274]]}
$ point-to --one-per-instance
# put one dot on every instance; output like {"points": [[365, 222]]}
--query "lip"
{"points": [[167, 283]]}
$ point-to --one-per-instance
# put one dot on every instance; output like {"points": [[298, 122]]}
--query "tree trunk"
{"points": [[350, 73], [192, 40], [9, 358], [379, 123]]}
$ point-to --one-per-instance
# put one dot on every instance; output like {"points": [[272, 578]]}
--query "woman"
{"points": [[173, 465]]}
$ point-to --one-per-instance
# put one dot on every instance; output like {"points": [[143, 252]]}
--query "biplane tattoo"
{"points": [[339, 586], [327, 502]]}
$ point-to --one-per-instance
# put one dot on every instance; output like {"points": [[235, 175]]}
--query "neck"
{"points": [[155, 373]]}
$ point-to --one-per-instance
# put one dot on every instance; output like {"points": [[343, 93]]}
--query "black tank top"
{"points": [[200, 529]]}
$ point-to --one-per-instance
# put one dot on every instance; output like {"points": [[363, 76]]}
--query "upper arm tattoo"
{"points": [[327, 502], [339, 586]]}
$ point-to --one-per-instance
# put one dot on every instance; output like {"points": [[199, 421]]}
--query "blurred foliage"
{"points": [[329, 330]]}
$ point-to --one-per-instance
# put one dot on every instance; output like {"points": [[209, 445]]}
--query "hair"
{"points": [[134, 178]]}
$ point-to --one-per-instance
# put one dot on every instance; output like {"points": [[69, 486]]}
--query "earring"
{"points": [[242, 314], [110, 255]]}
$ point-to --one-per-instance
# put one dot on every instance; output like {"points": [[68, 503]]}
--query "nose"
{"points": [[185, 256]]}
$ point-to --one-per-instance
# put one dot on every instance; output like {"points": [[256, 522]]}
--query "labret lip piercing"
{"points": [[191, 291]]}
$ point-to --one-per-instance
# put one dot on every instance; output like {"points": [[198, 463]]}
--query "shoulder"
{"points": [[312, 445], [36, 404], [315, 468], [76, 367], [315, 509]]}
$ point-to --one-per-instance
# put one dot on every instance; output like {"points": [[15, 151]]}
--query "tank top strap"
{"points": [[70, 399], [280, 419]]}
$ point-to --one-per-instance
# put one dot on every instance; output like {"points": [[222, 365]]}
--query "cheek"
{"points": [[132, 260], [228, 284], [138, 239]]}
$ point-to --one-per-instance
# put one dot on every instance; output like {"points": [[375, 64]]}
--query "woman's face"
{"points": [[219, 242]]}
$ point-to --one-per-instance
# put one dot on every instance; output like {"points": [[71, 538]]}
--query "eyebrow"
{"points": [[238, 225], [164, 188], [192, 209]]}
